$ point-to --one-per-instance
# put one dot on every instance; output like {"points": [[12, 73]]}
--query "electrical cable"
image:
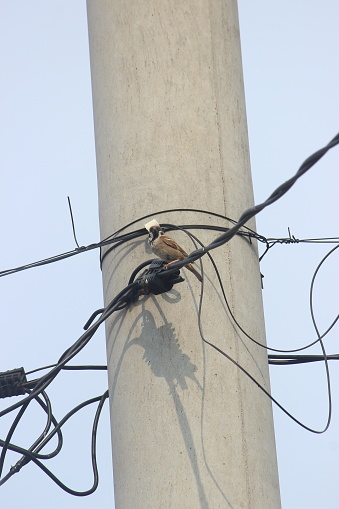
{"points": [[251, 212], [37, 445], [222, 239], [260, 386], [82, 367], [324, 356], [284, 360], [262, 345], [45, 380], [72, 219], [33, 458], [37, 387]]}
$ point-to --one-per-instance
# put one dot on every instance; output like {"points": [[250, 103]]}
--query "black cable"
{"points": [[122, 300], [72, 219], [138, 269], [86, 367], [265, 391], [40, 442], [80, 367], [33, 458], [324, 356], [312, 291], [222, 239], [38, 388], [271, 242], [262, 345], [10, 434], [251, 212], [168, 227], [45, 380], [320, 337], [119, 240], [256, 382], [284, 360]]}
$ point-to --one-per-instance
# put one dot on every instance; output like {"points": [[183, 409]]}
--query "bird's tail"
{"points": [[190, 267]]}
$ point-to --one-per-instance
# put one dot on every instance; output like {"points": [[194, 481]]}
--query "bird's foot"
{"points": [[170, 263]]}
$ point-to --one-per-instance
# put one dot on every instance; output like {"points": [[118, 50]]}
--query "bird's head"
{"points": [[154, 233]]}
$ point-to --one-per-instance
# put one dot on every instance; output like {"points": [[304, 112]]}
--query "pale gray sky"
{"points": [[47, 152]]}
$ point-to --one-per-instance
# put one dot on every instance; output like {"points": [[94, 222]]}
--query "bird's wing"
{"points": [[171, 243]]}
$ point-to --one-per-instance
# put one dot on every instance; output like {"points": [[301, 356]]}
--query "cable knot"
{"points": [[291, 238]]}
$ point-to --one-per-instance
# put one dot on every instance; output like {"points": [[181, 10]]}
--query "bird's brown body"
{"points": [[168, 250]]}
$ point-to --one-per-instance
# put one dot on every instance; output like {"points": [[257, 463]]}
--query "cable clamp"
{"points": [[11, 383], [150, 282]]}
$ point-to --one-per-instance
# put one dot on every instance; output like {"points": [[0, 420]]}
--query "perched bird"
{"points": [[167, 249]]}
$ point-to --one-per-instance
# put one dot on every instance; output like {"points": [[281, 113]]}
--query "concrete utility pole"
{"points": [[189, 429]]}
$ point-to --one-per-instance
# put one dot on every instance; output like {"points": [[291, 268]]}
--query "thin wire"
{"points": [[37, 445], [40, 385], [284, 360], [72, 219], [249, 375], [122, 300], [222, 239], [257, 383], [262, 345], [33, 458], [266, 392], [45, 380], [251, 212]]}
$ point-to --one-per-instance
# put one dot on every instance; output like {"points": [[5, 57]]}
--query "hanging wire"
{"points": [[36, 388], [72, 219]]}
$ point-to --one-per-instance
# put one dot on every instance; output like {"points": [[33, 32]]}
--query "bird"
{"points": [[168, 250]]}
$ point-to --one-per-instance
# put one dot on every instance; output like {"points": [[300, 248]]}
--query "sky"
{"points": [[47, 153]]}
